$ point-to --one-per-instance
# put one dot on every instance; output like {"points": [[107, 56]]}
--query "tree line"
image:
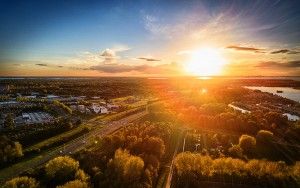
{"points": [[192, 170]]}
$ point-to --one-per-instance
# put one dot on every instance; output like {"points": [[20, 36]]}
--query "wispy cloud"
{"points": [[41, 64], [168, 69], [245, 48], [148, 59], [275, 64], [108, 53], [17, 64], [48, 65], [285, 51]]}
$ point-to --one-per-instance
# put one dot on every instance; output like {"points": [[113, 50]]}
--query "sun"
{"points": [[205, 62]]}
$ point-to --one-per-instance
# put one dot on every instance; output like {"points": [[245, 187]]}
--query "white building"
{"points": [[30, 97], [292, 117], [25, 116], [103, 110], [99, 109], [96, 108], [52, 97]]}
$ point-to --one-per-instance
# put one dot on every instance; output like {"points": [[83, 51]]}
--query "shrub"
{"points": [[236, 151]]}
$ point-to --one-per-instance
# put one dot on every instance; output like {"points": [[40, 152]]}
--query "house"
{"points": [[96, 108], [52, 97], [88, 111], [35, 93], [30, 97], [81, 108], [99, 109], [73, 107], [103, 110], [25, 116], [112, 106]]}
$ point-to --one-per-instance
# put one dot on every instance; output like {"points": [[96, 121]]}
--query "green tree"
{"points": [[22, 182], [63, 106], [9, 150], [9, 121]]}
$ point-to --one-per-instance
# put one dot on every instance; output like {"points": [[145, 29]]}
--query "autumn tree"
{"points": [[74, 184], [277, 119], [236, 151], [63, 169], [247, 143], [191, 169], [264, 136], [125, 170], [154, 145], [22, 182]]}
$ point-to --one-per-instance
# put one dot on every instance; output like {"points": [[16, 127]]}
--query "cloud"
{"points": [[47, 65], [274, 64], [109, 56], [42, 64], [108, 53], [285, 51], [169, 69], [118, 68], [148, 59], [293, 52], [120, 48], [244, 48], [17, 64]]}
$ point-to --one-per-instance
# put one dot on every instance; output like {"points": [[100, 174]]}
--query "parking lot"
{"points": [[34, 118]]}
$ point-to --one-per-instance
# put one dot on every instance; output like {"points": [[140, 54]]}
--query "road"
{"points": [[169, 178], [70, 147]]}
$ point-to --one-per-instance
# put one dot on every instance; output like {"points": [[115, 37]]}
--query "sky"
{"points": [[150, 38]]}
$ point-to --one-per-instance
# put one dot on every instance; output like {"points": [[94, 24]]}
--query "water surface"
{"points": [[287, 92]]}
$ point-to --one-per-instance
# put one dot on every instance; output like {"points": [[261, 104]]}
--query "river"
{"points": [[287, 92]]}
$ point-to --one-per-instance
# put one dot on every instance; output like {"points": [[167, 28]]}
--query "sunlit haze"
{"points": [[150, 94], [205, 62]]}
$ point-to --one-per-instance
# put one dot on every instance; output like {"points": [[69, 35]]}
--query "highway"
{"points": [[68, 148]]}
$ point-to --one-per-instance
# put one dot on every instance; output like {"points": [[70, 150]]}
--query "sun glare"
{"points": [[205, 62]]}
